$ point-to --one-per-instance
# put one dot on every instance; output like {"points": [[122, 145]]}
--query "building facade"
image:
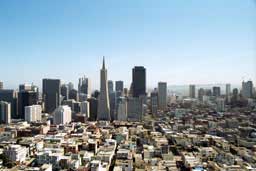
{"points": [[33, 113], [51, 94], [103, 106], [162, 96], [138, 81], [62, 115], [5, 112]]}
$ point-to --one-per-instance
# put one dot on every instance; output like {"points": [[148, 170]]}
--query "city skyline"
{"points": [[197, 43]]}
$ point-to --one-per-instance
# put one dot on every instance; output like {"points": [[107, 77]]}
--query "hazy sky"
{"points": [[181, 42]]}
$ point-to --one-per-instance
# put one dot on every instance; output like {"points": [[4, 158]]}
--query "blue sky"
{"points": [[178, 41]]}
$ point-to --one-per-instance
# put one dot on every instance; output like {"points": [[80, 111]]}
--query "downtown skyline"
{"points": [[177, 42]]}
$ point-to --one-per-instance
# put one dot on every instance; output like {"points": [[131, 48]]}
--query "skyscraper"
{"points": [[121, 109], [64, 91], [93, 106], [51, 94], [228, 93], [134, 109], [192, 91], [154, 102], [5, 112], [119, 86], [10, 96], [247, 89], [228, 89], [25, 98], [85, 108], [201, 93], [25, 87], [110, 86], [138, 81], [162, 95], [73, 94], [103, 107], [216, 91], [84, 86]]}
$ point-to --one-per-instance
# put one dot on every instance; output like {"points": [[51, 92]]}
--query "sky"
{"points": [[178, 41]]}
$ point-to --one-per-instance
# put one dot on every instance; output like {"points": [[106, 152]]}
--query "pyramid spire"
{"points": [[103, 64]]}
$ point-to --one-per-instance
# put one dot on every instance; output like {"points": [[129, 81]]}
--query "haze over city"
{"points": [[180, 42]]}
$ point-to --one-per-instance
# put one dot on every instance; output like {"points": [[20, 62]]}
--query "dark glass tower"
{"points": [[25, 98], [11, 97], [51, 94], [216, 91], [138, 81]]}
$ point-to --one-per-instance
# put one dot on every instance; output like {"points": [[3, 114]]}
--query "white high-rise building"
{"points": [[62, 115], [162, 96], [103, 106], [85, 108], [122, 109], [33, 113], [5, 112], [16, 152]]}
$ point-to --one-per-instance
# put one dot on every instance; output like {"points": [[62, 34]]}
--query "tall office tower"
{"points": [[208, 92], [134, 109], [84, 86], [29, 87], [73, 94], [154, 101], [62, 115], [121, 109], [25, 87], [139, 81], [51, 94], [228, 93], [1, 85], [85, 108], [201, 93], [192, 91], [10, 96], [235, 95], [119, 86], [228, 89], [110, 86], [64, 91], [216, 91], [93, 103], [103, 106], [220, 104], [247, 89], [5, 112], [162, 96], [25, 98], [33, 113], [70, 86], [112, 103]]}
